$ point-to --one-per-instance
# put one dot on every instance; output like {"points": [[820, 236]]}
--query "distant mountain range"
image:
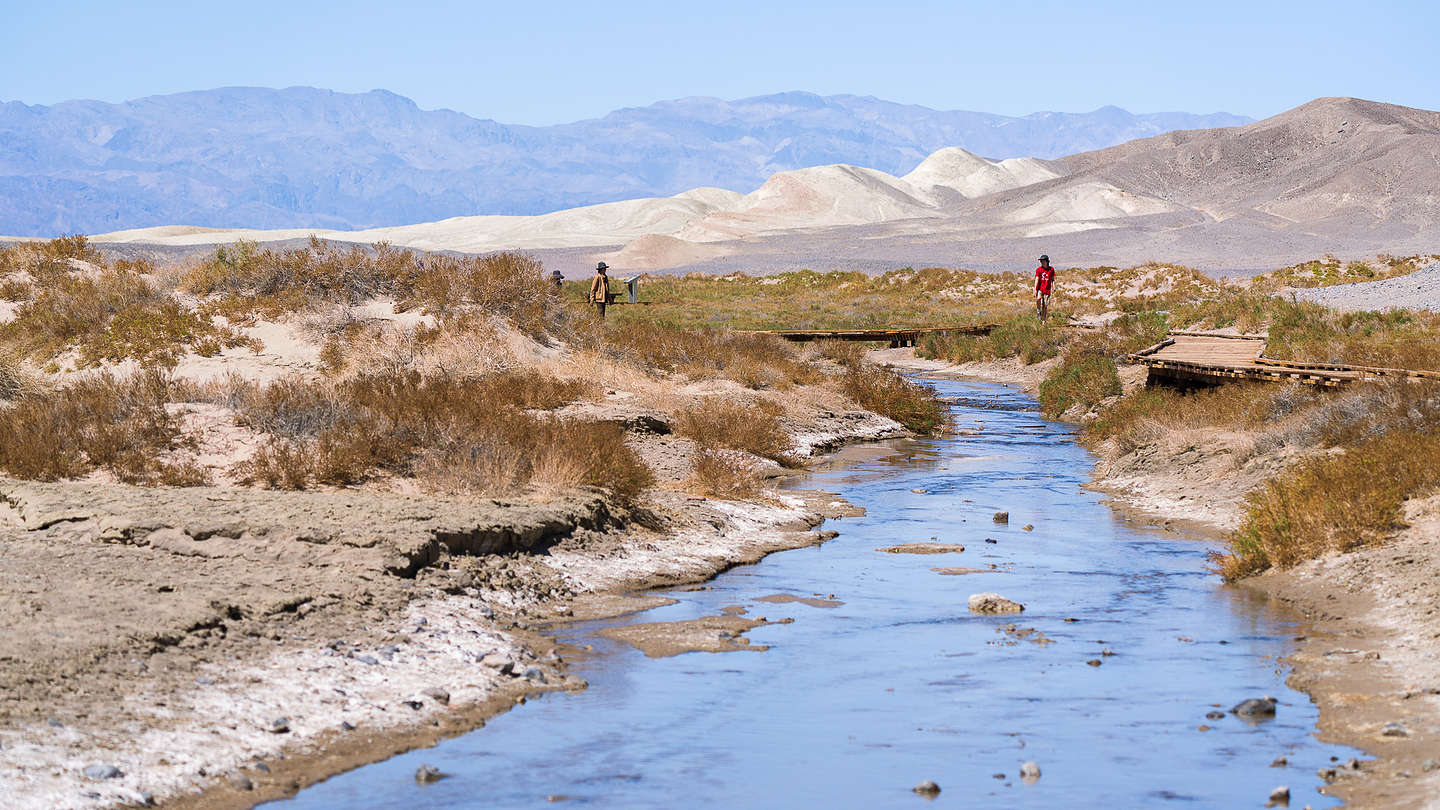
{"points": [[1337, 175], [303, 157]]}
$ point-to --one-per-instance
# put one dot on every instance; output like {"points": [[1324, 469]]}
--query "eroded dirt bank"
{"points": [[1370, 658], [214, 647]]}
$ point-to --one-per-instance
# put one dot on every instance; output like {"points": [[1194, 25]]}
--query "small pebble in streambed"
{"points": [[1094, 662], [1279, 762], [1280, 795], [1029, 527], [428, 775], [993, 603], [436, 694], [279, 725], [1030, 773], [1214, 715], [1255, 707], [1394, 730], [927, 788], [1001, 517], [1429, 765]]}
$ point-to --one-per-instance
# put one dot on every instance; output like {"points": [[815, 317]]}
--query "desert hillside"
{"points": [[1343, 176]]}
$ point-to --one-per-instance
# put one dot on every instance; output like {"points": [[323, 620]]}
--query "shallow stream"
{"points": [[853, 705]]}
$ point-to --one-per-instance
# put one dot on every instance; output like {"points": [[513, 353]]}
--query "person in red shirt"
{"points": [[1044, 282]]}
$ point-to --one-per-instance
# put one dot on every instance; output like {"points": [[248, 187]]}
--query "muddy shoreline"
{"points": [[1368, 658], [257, 643]]}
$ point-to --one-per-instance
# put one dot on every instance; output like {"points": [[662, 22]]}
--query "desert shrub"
{"points": [[112, 316], [74, 246], [1332, 503], [244, 280], [753, 360], [455, 434], [96, 423], [1084, 377], [13, 380], [890, 394], [724, 475], [1397, 338], [843, 352], [719, 423], [1023, 336]]}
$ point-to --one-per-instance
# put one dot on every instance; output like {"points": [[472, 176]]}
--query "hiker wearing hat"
{"points": [[600, 288], [557, 278], [1044, 281]]}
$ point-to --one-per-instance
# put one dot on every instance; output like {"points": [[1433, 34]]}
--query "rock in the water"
{"points": [[534, 675], [993, 603], [1280, 762], [1255, 707], [279, 725], [1029, 772], [1280, 795], [102, 772], [927, 788], [428, 775], [437, 694], [1029, 527], [1001, 517], [1093, 662], [1394, 730], [240, 781], [1214, 715]]}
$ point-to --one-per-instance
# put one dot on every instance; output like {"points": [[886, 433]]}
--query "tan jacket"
{"points": [[600, 289]]}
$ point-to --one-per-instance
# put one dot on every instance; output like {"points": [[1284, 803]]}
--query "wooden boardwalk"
{"points": [[1201, 358], [902, 336]]}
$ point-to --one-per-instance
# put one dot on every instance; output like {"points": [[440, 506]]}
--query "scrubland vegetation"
{"points": [[433, 396], [426, 397]]}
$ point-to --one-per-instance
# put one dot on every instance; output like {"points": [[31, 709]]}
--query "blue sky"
{"points": [[556, 60]]}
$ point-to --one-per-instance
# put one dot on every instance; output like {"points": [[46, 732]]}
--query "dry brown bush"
{"points": [[244, 280], [890, 394], [1333, 503], [753, 360], [464, 435], [110, 316], [97, 423], [719, 474], [717, 423]]}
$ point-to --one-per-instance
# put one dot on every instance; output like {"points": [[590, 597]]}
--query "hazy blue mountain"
{"points": [[301, 157]]}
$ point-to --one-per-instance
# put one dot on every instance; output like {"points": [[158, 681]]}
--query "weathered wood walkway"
{"points": [[904, 336], [1207, 358]]}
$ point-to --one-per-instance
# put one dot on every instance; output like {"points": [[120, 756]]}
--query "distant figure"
{"points": [[1044, 282], [600, 288], [556, 278]]}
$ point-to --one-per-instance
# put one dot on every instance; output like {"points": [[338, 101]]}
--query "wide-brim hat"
{"points": [[602, 266]]}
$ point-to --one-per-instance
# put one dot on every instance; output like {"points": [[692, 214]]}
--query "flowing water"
{"points": [[855, 704]]}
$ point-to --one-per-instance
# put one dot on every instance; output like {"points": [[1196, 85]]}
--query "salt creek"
{"points": [[885, 678]]}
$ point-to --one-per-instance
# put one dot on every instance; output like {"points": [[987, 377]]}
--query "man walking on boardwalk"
{"points": [[1044, 282], [600, 288]]}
